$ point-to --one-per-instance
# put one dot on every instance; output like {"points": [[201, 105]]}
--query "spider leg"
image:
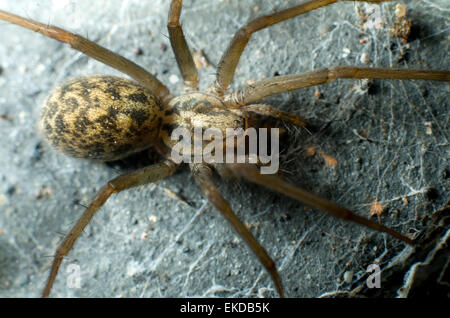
{"points": [[139, 177], [203, 177], [230, 58], [267, 110], [180, 48], [278, 184], [95, 51], [281, 84]]}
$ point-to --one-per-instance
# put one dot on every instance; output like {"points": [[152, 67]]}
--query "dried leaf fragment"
{"points": [[377, 208]]}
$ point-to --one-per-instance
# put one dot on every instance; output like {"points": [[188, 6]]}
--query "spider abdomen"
{"points": [[101, 118]]}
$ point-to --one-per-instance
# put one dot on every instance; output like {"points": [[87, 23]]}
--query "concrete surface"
{"points": [[389, 140]]}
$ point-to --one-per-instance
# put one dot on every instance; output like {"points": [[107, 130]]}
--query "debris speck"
{"points": [[200, 59], [317, 93], [251, 226], [324, 28], [329, 161], [163, 47], [402, 25], [44, 192], [5, 117], [345, 52], [402, 28], [310, 151], [174, 196], [138, 51], [173, 79], [263, 292], [134, 268], [377, 209], [400, 10], [428, 128]]}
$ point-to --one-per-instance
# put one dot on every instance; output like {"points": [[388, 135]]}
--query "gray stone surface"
{"points": [[390, 140]]}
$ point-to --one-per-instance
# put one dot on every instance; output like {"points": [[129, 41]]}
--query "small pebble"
{"points": [[365, 59], [174, 79], [348, 276]]}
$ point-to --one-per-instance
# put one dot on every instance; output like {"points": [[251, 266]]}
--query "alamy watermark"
{"points": [[374, 279], [74, 276], [241, 146]]}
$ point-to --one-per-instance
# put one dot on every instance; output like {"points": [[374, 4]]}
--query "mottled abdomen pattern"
{"points": [[102, 118]]}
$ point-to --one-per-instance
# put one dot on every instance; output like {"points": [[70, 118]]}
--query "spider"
{"points": [[163, 105]]}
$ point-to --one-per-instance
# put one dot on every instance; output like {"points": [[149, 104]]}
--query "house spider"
{"points": [[202, 173]]}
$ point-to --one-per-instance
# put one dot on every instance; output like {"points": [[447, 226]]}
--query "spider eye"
{"points": [[101, 118]]}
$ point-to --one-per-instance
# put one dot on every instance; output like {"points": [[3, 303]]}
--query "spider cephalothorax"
{"points": [[107, 118], [199, 111]]}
